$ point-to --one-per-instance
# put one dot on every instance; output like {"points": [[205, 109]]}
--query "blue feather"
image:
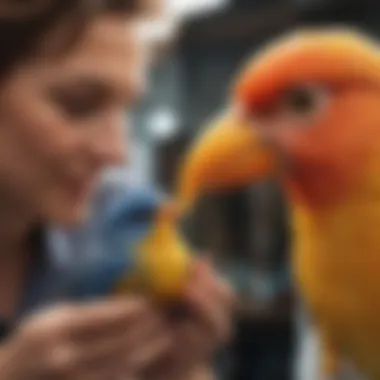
{"points": [[127, 221]]}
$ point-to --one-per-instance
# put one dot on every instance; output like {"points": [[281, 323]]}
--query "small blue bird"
{"points": [[143, 251]]}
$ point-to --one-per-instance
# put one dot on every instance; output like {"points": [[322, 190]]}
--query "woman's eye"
{"points": [[305, 100], [78, 106]]}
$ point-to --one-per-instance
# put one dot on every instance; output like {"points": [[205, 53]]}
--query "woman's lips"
{"points": [[80, 190]]}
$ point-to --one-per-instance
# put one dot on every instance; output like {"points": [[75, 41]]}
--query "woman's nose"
{"points": [[109, 146]]}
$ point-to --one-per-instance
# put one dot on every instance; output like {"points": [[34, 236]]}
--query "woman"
{"points": [[69, 70]]}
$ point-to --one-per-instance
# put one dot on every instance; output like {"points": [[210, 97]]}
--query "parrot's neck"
{"points": [[322, 189], [321, 200]]}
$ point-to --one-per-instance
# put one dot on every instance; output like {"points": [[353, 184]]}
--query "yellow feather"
{"points": [[164, 262], [337, 264]]}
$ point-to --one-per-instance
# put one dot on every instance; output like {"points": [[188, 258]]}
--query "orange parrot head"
{"points": [[306, 108]]}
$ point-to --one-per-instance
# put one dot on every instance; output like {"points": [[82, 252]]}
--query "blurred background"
{"points": [[247, 230]]}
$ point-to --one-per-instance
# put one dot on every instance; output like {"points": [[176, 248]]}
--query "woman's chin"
{"points": [[68, 209], [70, 216]]}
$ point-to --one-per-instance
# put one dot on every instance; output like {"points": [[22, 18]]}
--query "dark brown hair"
{"points": [[26, 24]]}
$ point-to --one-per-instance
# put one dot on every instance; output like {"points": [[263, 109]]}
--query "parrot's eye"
{"points": [[305, 100], [297, 107]]}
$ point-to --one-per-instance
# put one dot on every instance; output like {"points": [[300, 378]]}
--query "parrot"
{"points": [[305, 109], [142, 250]]}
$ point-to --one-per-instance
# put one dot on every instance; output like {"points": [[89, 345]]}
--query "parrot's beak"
{"points": [[229, 154]]}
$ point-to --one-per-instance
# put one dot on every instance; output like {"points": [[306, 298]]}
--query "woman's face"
{"points": [[62, 121]]}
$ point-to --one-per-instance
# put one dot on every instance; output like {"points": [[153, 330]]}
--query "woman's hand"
{"points": [[201, 331], [103, 340]]}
